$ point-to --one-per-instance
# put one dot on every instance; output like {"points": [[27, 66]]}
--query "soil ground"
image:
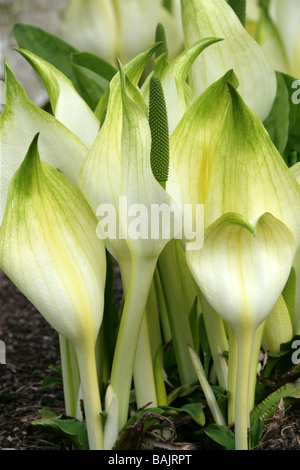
{"points": [[31, 347]]}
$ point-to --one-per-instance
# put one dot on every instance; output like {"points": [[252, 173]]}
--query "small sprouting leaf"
{"points": [[195, 410], [222, 435], [50, 381], [95, 64], [47, 46]]}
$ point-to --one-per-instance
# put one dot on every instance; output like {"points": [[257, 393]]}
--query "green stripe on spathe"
{"points": [[158, 121]]}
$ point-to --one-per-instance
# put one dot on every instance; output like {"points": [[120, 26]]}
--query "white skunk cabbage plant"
{"points": [[50, 250], [163, 162]]}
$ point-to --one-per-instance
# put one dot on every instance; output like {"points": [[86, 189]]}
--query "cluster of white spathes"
{"points": [[220, 157]]}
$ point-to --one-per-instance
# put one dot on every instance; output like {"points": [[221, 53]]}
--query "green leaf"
{"points": [[182, 391], [239, 7], [95, 64], [193, 319], [277, 123], [48, 47], [158, 377], [256, 433], [110, 322], [67, 428], [50, 381], [269, 405], [288, 293], [222, 435], [195, 410], [288, 346], [292, 150], [204, 344], [92, 86], [93, 75]]}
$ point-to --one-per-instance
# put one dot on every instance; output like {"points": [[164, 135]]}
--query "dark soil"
{"points": [[31, 347]]}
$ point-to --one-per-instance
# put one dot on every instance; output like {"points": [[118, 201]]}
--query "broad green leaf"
{"points": [[67, 428], [195, 410], [92, 86], [95, 64], [19, 122], [239, 8], [256, 433], [293, 143], [222, 435], [93, 75], [47, 46], [67, 105], [277, 123]]}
